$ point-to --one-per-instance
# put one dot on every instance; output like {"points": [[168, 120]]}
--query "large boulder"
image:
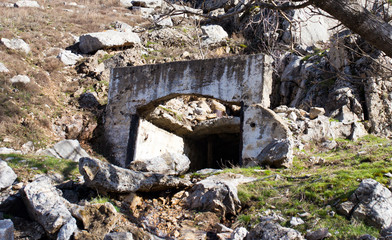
{"points": [[92, 42], [217, 193], [47, 207], [371, 202], [7, 175], [106, 177], [16, 44], [269, 229], [167, 163], [279, 153]]}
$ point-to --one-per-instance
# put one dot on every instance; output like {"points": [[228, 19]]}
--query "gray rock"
{"points": [[272, 230], [7, 175], [20, 79], [69, 58], [372, 203], [67, 230], [167, 163], [319, 234], [213, 34], [92, 42], [386, 233], [147, 3], [69, 149], [46, 206], [217, 193], [26, 3], [278, 153], [6, 229], [16, 44], [109, 178], [315, 112], [3, 68], [119, 236], [239, 234]]}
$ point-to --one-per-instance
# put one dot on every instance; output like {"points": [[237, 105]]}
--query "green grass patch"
{"points": [[26, 166], [317, 188]]}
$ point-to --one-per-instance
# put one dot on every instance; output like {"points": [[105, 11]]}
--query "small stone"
{"points": [[20, 79], [69, 58], [26, 3], [16, 44], [388, 174], [239, 233], [319, 234], [119, 236], [17, 186], [315, 112], [3, 68], [295, 221]]}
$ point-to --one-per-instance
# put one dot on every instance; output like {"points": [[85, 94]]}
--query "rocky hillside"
{"points": [[326, 176]]}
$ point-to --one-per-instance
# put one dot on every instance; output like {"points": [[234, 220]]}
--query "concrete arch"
{"points": [[133, 90]]}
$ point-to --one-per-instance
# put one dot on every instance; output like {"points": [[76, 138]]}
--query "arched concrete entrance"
{"points": [[245, 79]]}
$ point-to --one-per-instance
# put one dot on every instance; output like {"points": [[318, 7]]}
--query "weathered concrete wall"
{"points": [[153, 141], [244, 79]]}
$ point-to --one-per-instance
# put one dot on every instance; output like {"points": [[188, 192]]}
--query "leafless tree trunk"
{"points": [[359, 20]]}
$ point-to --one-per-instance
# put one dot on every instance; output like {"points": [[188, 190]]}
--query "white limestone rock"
{"points": [[5, 150], [213, 34], [16, 44], [7, 175], [92, 42], [68, 57], [20, 79], [6, 229], [26, 3], [45, 205], [239, 233], [126, 3], [163, 21], [3, 68]]}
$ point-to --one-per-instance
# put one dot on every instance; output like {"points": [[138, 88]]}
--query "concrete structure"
{"points": [[243, 80]]}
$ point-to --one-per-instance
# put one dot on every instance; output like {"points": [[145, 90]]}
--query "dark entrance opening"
{"points": [[213, 151]]}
